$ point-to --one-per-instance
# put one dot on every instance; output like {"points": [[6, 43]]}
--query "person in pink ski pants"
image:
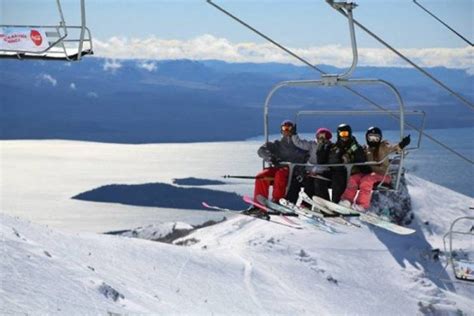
{"points": [[376, 150]]}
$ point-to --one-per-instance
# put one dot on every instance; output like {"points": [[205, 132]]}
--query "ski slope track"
{"points": [[239, 266]]}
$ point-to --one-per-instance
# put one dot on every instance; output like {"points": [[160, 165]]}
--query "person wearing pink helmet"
{"points": [[318, 180]]}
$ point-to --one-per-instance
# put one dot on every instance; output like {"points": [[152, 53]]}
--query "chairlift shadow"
{"points": [[416, 251], [162, 195]]}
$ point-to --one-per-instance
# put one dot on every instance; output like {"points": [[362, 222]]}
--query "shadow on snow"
{"points": [[162, 195], [196, 181], [416, 251]]}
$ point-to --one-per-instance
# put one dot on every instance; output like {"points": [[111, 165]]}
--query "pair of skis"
{"points": [[310, 218], [326, 217], [266, 211]]}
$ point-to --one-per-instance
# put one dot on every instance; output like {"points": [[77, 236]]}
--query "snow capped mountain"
{"points": [[239, 266]]}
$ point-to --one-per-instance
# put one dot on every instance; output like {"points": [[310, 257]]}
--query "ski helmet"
{"points": [[344, 130], [373, 136], [287, 125], [325, 131]]}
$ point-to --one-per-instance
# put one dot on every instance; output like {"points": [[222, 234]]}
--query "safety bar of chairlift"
{"points": [[370, 112], [348, 167], [334, 81], [450, 234]]}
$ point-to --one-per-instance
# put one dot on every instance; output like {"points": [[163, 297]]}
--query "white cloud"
{"points": [[150, 66], [211, 47], [49, 79], [72, 86], [92, 94], [112, 65]]}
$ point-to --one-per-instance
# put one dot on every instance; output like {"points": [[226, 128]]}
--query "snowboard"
{"points": [[363, 217]]}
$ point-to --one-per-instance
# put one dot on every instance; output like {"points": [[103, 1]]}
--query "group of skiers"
{"points": [[317, 181]]}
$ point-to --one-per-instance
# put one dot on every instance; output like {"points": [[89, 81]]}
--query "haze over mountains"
{"points": [[142, 101]]}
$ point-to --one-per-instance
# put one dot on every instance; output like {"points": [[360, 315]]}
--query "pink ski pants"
{"points": [[365, 183]]}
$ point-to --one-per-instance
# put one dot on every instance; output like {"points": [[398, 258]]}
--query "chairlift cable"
{"points": [[61, 14], [457, 95], [265, 36], [413, 127], [345, 87], [445, 24]]}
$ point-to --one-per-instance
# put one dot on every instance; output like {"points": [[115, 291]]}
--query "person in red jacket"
{"points": [[282, 150]]}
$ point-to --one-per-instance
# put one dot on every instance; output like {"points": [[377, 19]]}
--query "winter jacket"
{"points": [[318, 152], [282, 150], [349, 152], [378, 153]]}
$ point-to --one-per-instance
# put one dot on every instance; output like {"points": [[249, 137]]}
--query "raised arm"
{"points": [[302, 143]]}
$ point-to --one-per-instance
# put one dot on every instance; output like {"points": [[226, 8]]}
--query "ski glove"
{"points": [[275, 161], [405, 141]]}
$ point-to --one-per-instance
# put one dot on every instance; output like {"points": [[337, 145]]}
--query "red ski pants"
{"points": [[365, 183], [264, 180]]}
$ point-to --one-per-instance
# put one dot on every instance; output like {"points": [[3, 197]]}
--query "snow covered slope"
{"points": [[240, 266]]}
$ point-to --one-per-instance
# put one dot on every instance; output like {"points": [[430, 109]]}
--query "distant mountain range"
{"points": [[137, 101]]}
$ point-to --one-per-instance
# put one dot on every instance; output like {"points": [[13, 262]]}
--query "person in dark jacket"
{"points": [[317, 179], [282, 150], [345, 150]]}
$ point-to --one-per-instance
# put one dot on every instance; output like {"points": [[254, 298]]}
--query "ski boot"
{"points": [[256, 212]]}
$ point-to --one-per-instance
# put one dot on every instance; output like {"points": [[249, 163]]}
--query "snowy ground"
{"points": [[239, 266]]}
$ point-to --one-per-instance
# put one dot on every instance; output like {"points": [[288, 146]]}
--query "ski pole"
{"points": [[227, 176]]}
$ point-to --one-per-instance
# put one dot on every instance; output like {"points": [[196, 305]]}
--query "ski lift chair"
{"points": [[462, 262], [343, 80], [47, 42]]}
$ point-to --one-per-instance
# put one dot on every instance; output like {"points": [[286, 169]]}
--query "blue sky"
{"points": [[299, 24]]}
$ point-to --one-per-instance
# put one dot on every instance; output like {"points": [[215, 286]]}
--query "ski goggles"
{"points": [[321, 136], [373, 138], [286, 128], [344, 134]]}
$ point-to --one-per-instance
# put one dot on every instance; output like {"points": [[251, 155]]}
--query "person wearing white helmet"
{"points": [[377, 149]]}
